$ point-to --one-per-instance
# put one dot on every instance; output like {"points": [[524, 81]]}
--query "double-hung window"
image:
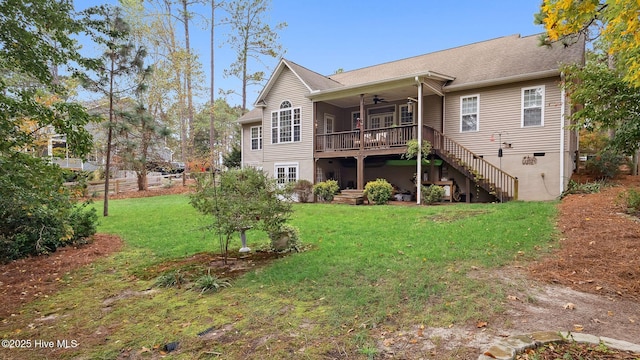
{"points": [[256, 138], [286, 173], [469, 113], [285, 124], [532, 109]]}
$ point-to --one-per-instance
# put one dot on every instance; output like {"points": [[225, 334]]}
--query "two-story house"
{"points": [[494, 112]]}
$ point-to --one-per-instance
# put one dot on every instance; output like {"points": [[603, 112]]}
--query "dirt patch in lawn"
{"points": [[214, 264]]}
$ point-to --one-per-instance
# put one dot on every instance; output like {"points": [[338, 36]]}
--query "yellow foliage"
{"points": [[618, 25]]}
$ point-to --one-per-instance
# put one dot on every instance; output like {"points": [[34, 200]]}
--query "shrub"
{"points": [[326, 190], [632, 201], [173, 278], [587, 188], [378, 191], [84, 223], [210, 283], [412, 149], [303, 190], [432, 194], [605, 165], [37, 213]]}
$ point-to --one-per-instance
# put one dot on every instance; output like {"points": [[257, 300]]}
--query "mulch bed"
{"points": [[600, 249], [24, 280]]}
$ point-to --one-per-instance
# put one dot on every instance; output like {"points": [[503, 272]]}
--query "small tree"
{"points": [[233, 160], [243, 199]]}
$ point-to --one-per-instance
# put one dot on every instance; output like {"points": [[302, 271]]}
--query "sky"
{"points": [[328, 35]]}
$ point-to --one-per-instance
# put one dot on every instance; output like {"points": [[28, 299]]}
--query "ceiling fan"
{"points": [[376, 99]]}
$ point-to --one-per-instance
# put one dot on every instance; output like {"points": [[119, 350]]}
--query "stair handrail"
{"points": [[498, 182]]}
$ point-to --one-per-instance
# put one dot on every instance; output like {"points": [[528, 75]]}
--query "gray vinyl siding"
{"points": [[342, 117], [250, 157], [501, 111], [432, 112], [289, 88]]}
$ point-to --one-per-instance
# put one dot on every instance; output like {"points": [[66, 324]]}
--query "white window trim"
{"points": [[286, 166], [354, 124], [477, 113], [413, 119], [259, 138], [390, 112], [329, 118], [278, 111], [541, 106]]}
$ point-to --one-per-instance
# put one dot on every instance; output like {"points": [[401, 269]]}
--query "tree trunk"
{"points": [[142, 180], [107, 168], [185, 16], [212, 117]]}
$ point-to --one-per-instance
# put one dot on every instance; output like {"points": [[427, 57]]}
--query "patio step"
{"points": [[351, 197]]}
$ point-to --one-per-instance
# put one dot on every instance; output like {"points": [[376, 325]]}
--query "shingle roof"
{"points": [[488, 60], [254, 115], [313, 80]]}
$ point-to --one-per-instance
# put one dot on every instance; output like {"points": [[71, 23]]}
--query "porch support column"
{"points": [[315, 135], [360, 171], [419, 162], [360, 157]]}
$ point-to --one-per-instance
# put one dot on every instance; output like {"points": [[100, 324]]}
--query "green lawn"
{"points": [[366, 269]]}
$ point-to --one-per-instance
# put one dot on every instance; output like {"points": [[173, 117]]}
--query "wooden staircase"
{"points": [[495, 181], [351, 197]]}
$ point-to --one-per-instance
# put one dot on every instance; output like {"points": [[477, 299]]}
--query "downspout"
{"points": [[444, 103], [562, 132], [419, 160], [242, 145], [314, 131]]}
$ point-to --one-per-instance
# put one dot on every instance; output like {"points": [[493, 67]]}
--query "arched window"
{"points": [[285, 105], [285, 124]]}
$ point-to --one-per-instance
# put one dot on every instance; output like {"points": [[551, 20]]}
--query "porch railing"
{"points": [[493, 179], [395, 136]]}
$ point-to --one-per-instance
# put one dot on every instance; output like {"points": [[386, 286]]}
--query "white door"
{"points": [[328, 130]]}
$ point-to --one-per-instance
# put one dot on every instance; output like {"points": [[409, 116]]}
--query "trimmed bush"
{"points": [[326, 190], [379, 191], [432, 194]]}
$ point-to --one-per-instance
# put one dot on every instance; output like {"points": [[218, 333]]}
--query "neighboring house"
{"points": [[494, 111]]}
